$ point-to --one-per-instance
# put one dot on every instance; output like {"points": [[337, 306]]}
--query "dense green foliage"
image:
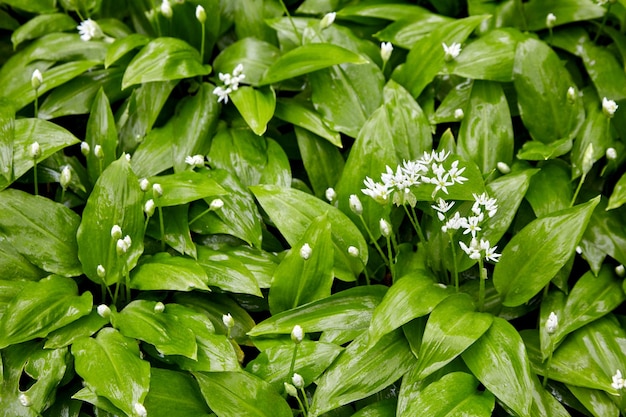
{"points": [[319, 207]]}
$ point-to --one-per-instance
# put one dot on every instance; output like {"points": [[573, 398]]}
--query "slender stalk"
{"points": [[414, 222], [127, 284], [293, 359], [580, 184], [306, 402], [162, 227], [374, 242], [36, 103], [293, 25], [604, 18], [202, 42], [35, 175], [199, 215], [390, 256], [481, 288], [454, 262], [420, 234], [302, 409]]}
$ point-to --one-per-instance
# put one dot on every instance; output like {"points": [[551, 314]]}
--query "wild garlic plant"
{"points": [[399, 186]]}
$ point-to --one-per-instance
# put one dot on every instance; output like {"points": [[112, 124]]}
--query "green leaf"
{"points": [[618, 196], [453, 395], [256, 106], [154, 154], [255, 55], [174, 393], [535, 150], [486, 134], [184, 187], [303, 115], [498, 359], [599, 403], [41, 308], [15, 266], [567, 11], [7, 131], [361, 371], [595, 132], [164, 59], [41, 25], [451, 328], [122, 46], [605, 235], [40, 230], [550, 188], [241, 394], [322, 161], [541, 83], [110, 365], [116, 199], [308, 58], [348, 309], [383, 408], [140, 320], [165, 272], [293, 211], [83, 327], [535, 254], [299, 280], [176, 227], [413, 295], [101, 131], [227, 272]]}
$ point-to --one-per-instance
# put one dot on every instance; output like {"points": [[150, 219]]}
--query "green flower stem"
{"points": [[199, 215], [100, 163], [302, 408], [35, 175], [202, 42], [481, 288], [454, 262], [390, 256], [413, 220], [162, 227], [306, 402], [418, 229], [604, 18], [36, 103], [580, 184], [293, 25], [293, 360], [374, 242]]}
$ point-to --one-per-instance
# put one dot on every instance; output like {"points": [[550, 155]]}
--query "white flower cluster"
{"points": [[89, 29], [429, 169], [231, 83], [618, 381], [477, 248]]}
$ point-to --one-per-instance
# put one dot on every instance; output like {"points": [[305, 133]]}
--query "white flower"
{"points": [[552, 323], [200, 14], [216, 204], [123, 245], [103, 311], [222, 94], [148, 208], [297, 334], [116, 232], [441, 182], [571, 94], [385, 227], [330, 194], [611, 154], [376, 190], [452, 51], [386, 48], [353, 251], [490, 252], [166, 8], [159, 307], [327, 20], [126, 156], [550, 20], [305, 251], [454, 223], [609, 107], [297, 380], [195, 160], [618, 381], [473, 250], [231, 83], [157, 190], [503, 167], [459, 114], [144, 184], [290, 389], [455, 173], [89, 29], [36, 79], [471, 226], [101, 272], [84, 148], [440, 156], [443, 206], [34, 150], [140, 410], [228, 321], [25, 400], [355, 204], [66, 177], [98, 152]]}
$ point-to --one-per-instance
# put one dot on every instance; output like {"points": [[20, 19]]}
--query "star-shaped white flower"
{"points": [[452, 51]]}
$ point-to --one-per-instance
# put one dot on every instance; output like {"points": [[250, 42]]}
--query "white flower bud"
{"points": [[36, 79], [588, 159], [386, 48], [66, 177], [200, 14], [148, 208], [84, 148], [579, 250], [116, 232], [195, 160], [290, 389], [385, 228], [166, 9], [297, 381], [104, 311], [550, 20], [355, 204], [127, 156], [228, 321], [157, 190], [305, 251], [297, 334], [552, 323], [144, 184], [98, 152], [25, 400], [611, 154], [331, 194], [459, 114], [620, 271], [503, 167], [609, 107], [216, 204], [159, 307], [327, 20], [571, 95], [140, 410], [101, 272], [35, 150], [353, 251]]}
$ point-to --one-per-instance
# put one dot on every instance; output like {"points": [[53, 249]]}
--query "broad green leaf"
{"points": [[250, 20], [618, 196], [348, 309], [308, 58], [83, 327], [116, 199], [303, 277], [15, 266], [256, 106], [536, 150], [164, 59], [184, 187], [545, 403], [605, 235], [42, 25], [293, 211], [176, 229], [322, 161], [597, 402], [154, 154], [550, 188], [426, 58], [541, 83], [383, 408], [174, 393], [122, 46], [101, 131], [361, 370], [454, 394], [7, 131], [41, 308], [567, 11], [412, 296], [595, 132], [110, 365], [140, 320], [42, 231], [273, 364], [486, 134], [227, 272], [535, 254], [451, 328], [303, 115], [104, 406], [165, 272], [489, 57], [255, 55], [241, 394], [498, 359], [50, 136]]}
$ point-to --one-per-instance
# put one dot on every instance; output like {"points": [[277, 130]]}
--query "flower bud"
{"points": [[550, 20], [386, 48], [297, 334], [228, 321], [25, 400], [611, 154], [35, 150], [36, 79], [157, 190], [159, 307], [327, 20], [331, 194], [148, 208], [166, 9], [144, 184], [84, 148], [101, 272], [305, 251], [290, 389], [216, 204], [609, 107], [620, 271], [98, 152], [353, 251], [355, 204], [588, 159], [200, 14], [104, 311], [297, 381], [66, 177], [140, 410], [552, 323], [385, 228], [459, 114], [503, 167], [116, 232], [571, 95]]}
